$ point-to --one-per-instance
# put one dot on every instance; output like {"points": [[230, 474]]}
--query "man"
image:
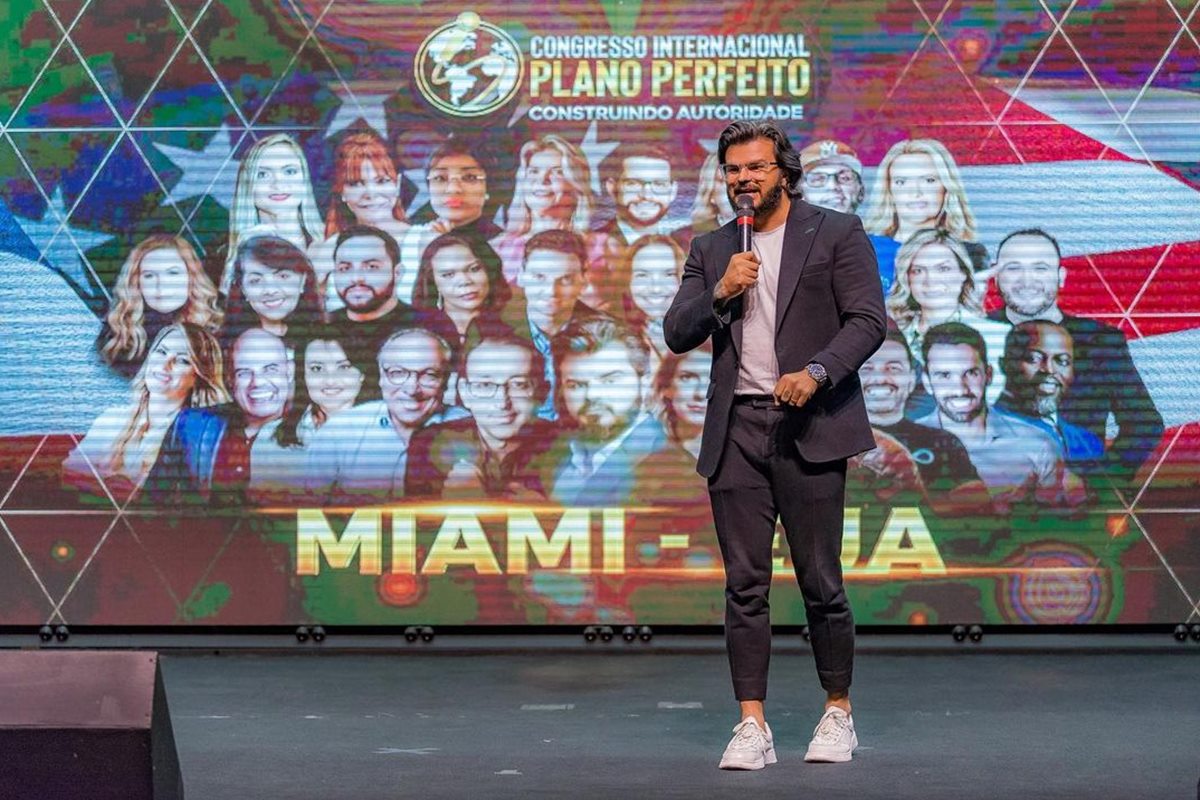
{"points": [[361, 454], [489, 454], [948, 480], [205, 456], [1106, 386], [791, 324], [366, 260], [1019, 463], [1039, 364], [638, 178], [603, 372], [832, 176], [552, 279]]}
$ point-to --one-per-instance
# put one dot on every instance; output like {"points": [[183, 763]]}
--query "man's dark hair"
{"points": [[594, 332], [1017, 342], [953, 333], [567, 242], [364, 231], [1031, 232], [786, 156], [614, 163], [894, 335]]}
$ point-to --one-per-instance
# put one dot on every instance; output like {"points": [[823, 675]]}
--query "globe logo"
{"points": [[469, 67]]}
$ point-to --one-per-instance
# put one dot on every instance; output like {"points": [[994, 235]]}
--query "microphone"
{"points": [[745, 220]]}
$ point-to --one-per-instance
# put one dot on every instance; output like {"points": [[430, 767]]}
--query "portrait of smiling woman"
{"points": [[273, 197], [182, 368], [273, 287]]}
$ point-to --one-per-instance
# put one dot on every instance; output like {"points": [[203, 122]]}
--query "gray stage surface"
{"points": [[1032, 720]]}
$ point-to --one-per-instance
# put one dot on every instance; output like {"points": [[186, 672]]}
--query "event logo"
{"points": [[469, 67]]}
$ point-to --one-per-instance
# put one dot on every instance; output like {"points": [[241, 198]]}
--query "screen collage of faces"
{"points": [[352, 312]]}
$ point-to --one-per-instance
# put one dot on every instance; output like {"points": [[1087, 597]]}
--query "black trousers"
{"points": [[762, 477]]}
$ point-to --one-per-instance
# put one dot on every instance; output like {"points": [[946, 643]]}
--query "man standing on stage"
{"points": [[791, 323]]}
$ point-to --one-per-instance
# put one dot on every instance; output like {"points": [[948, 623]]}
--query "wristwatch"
{"points": [[817, 373]]}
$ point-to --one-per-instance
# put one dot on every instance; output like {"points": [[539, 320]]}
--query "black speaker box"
{"points": [[85, 726]]}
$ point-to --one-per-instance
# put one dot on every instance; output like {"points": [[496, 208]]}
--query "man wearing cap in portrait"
{"points": [[832, 176]]}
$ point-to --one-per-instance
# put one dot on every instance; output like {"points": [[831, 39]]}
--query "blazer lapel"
{"points": [[725, 248], [798, 237]]}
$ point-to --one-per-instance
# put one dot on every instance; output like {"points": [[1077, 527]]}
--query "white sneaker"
{"points": [[750, 747], [834, 739]]}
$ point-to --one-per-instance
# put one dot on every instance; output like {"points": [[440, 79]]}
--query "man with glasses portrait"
{"points": [[832, 176], [639, 180], [361, 455], [489, 454]]}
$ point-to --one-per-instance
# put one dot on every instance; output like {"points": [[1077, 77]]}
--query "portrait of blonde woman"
{"points": [[710, 207], [161, 282], [183, 368], [552, 193], [273, 197], [918, 185], [936, 283]]}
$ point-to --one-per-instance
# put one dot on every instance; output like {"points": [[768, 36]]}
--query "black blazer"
{"points": [[829, 309]]}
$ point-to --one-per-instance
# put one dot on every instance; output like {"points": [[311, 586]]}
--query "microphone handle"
{"points": [[745, 234]]}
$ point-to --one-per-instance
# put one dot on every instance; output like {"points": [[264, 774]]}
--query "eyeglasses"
{"points": [[631, 185], [519, 388], [756, 169], [427, 378], [469, 180], [818, 180]]}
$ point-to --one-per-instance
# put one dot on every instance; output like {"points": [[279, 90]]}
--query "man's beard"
{"points": [[377, 301], [770, 200], [1032, 307], [1046, 405], [962, 416], [592, 430]]}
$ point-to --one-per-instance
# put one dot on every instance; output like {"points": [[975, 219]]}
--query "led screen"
{"points": [[352, 312]]}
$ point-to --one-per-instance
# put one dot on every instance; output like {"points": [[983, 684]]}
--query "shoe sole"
{"points": [[832, 757], [768, 758]]}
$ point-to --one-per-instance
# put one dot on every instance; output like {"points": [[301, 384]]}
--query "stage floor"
{"points": [[613, 721]]}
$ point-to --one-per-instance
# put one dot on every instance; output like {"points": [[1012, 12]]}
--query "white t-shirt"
{"points": [[758, 368]]}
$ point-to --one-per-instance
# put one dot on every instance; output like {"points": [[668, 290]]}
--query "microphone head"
{"points": [[744, 203]]}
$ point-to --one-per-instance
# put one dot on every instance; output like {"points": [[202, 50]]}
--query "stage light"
{"points": [[45, 633], [1196, 632], [302, 634], [629, 633], [412, 633], [976, 633], [62, 633], [646, 633], [806, 634], [590, 633], [426, 633], [318, 634], [959, 632], [1181, 632], [606, 633]]}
